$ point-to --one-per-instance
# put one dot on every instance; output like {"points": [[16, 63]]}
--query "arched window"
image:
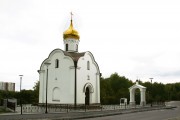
{"points": [[76, 47], [56, 94], [66, 47], [56, 63], [88, 65], [88, 77]]}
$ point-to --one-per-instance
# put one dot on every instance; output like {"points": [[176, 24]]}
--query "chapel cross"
{"points": [[71, 15]]}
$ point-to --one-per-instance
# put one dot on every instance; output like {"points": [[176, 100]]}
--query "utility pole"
{"points": [[20, 92], [151, 90], [47, 64]]}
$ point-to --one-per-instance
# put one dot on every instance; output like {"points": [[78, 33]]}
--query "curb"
{"points": [[111, 114]]}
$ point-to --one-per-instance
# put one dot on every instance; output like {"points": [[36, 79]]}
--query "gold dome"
{"points": [[71, 32]]}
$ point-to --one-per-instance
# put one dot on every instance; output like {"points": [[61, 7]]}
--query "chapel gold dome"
{"points": [[71, 33]]}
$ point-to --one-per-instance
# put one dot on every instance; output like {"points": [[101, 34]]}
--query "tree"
{"points": [[114, 88], [36, 92]]}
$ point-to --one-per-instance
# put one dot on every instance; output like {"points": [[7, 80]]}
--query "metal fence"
{"points": [[79, 108]]}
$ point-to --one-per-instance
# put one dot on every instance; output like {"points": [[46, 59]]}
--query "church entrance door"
{"points": [[87, 96]]}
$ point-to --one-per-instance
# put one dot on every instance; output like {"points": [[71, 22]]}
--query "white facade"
{"points": [[88, 77], [73, 77], [71, 45]]}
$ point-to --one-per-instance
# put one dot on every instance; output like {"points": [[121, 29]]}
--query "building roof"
{"points": [[137, 85], [75, 56]]}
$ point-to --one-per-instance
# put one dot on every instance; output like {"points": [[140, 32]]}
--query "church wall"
{"points": [[72, 44], [83, 79], [60, 80]]}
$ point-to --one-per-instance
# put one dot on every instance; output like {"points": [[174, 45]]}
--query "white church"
{"points": [[68, 76]]}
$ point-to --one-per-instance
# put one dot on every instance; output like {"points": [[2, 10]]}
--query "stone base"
{"points": [[143, 103], [132, 103]]}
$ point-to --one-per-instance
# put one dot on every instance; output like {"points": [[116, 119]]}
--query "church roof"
{"points": [[73, 55], [137, 85]]}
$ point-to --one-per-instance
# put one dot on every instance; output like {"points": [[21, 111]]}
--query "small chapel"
{"points": [[69, 76]]}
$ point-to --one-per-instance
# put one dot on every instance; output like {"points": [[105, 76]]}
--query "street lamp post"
{"points": [[20, 92], [151, 90], [47, 64]]}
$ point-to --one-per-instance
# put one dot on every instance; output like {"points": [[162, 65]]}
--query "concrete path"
{"points": [[164, 114], [75, 115]]}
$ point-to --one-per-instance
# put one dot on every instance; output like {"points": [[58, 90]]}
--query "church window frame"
{"points": [[57, 63], [55, 94], [66, 47], [88, 65], [88, 77], [76, 47]]}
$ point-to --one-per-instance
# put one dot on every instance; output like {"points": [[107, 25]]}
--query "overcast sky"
{"points": [[135, 38]]}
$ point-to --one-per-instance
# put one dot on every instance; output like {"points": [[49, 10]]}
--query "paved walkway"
{"points": [[165, 114], [74, 115]]}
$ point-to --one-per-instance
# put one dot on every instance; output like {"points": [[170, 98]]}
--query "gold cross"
{"points": [[71, 15]]}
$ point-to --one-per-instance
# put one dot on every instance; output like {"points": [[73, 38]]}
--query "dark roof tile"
{"points": [[74, 55]]}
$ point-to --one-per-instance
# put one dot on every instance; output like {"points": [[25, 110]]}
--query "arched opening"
{"points": [[66, 47], [56, 63], [76, 47], [88, 91], [87, 96], [137, 96], [55, 94], [88, 65]]}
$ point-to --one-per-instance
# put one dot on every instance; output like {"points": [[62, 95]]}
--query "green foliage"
{"points": [[111, 90], [116, 87], [27, 96], [36, 92]]}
